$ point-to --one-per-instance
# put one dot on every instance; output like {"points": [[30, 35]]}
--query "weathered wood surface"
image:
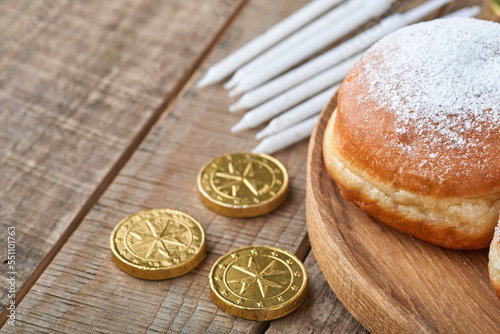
{"points": [[80, 84], [321, 312], [82, 290]]}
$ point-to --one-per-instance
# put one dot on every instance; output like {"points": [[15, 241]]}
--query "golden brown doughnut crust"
{"points": [[367, 134], [362, 121], [437, 183], [425, 217]]}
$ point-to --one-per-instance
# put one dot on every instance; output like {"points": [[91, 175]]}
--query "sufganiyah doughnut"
{"points": [[415, 139]]}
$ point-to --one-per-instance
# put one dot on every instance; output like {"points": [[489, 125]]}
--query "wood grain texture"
{"points": [[390, 281], [83, 291], [321, 312], [81, 84]]}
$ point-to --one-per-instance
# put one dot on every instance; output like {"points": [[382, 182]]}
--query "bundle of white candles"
{"points": [[260, 66]]}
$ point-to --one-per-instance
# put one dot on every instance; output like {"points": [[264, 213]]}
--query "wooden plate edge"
{"points": [[353, 296]]}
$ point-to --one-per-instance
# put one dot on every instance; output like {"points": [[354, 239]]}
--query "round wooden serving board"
{"points": [[390, 281]]}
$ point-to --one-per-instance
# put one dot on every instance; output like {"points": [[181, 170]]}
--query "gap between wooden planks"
{"points": [[64, 102], [152, 183], [45, 314], [256, 26]]}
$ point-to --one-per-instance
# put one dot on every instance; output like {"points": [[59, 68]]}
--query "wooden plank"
{"points": [[321, 312], [80, 86], [83, 291]]}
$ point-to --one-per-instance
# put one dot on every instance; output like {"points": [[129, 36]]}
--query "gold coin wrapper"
{"points": [[254, 282], [158, 244], [258, 282], [243, 184]]}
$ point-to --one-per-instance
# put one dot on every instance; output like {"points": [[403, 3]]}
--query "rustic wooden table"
{"points": [[99, 119]]}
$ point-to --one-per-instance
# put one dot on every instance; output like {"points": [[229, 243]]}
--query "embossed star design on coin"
{"points": [[158, 244], [243, 184], [146, 242], [258, 282], [253, 275], [234, 180]]}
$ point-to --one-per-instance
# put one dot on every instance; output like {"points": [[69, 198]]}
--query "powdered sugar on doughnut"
{"points": [[440, 77], [496, 235]]}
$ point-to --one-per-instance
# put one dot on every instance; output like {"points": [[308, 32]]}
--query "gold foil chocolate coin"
{"points": [[158, 244], [243, 184], [258, 283]]}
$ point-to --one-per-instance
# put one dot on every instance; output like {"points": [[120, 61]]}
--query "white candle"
{"points": [[286, 123], [309, 47], [277, 86], [309, 31], [326, 60], [295, 95], [287, 137], [267, 39], [299, 113]]}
